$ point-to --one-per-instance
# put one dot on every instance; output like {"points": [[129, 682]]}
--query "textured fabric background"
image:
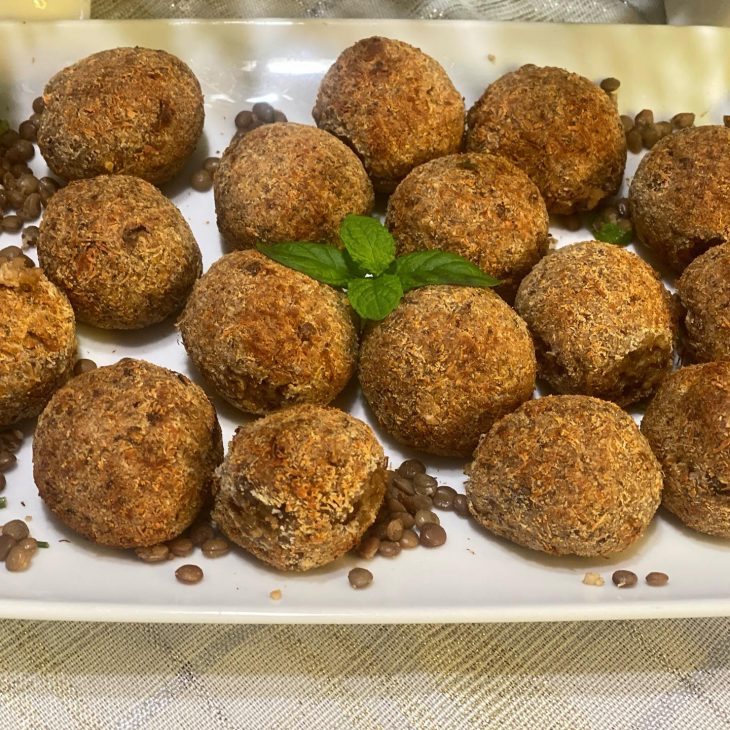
{"points": [[571, 676]]}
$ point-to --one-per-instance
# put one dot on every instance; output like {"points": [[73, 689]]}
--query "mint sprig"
{"points": [[609, 232], [368, 269]]}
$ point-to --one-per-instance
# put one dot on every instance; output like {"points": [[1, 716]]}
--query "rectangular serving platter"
{"points": [[474, 577]]}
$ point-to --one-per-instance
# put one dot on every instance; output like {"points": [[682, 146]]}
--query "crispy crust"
{"points": [[602, 322], [120, 250], [288, 182], [559, 127], [567, 475], [687, 425], [135, 111], [479, 206], [444, 365], [37, 342], [392, 104], [703, 291], [299, 487], [125, 454], [679, 194], [267, 336]]}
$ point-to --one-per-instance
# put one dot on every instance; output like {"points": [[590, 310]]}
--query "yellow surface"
{"points": [[43, 9]]}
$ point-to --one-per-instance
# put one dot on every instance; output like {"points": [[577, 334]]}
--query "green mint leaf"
{"points": [[43, 544], [375, 298], [611, 233], [318, 260], [368, 242], [3, 502], [439, 267]]}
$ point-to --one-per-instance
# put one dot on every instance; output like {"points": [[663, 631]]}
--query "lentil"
{"points": [[624, 579], [417, 502], [628, 122], [6, 460], [263, 111], [216, 547], [424, 484], [84, 365], [201, 180], [368, 547], [388, 549], [610, 84], [656, 579], [633, 141], [30, 236], [432, 535], [10, 252], [360, 578], [395, 505], [245, 120], [649, 136], [404, 485], [410, 467], [644, 118], [17, 529], [18, 559], [444, 498], [153, 554], [683, 120], [406, 518], [12, 223], [461, 505], [31, 208], [200, 533], [572, 222], [726, 120], [2, 482], [280, 116], [211, 164], [181, 547], [394, 530], [189, 574], [425, 517], [408, 540], [6, 542], [38, 104], [28, 544]]}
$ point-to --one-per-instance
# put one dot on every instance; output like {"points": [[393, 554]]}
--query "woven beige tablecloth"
{"points": [[612, 675]]}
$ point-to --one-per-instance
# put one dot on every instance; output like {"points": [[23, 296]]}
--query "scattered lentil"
{"points": [[200, 533], [410, 467], [153, 554], [634, 141], [657, 579], [7, 460], [432, 535], [425, 517], [181, 547], [201, 180], [360, 578], [84, 365], [30, 236], [28, 544], [624, 579], [461, 505], [216, 547], [2, 482], [388, 549], [245, 121], [394, 530], [726, 120], [444, 498], [368, 547], [610, 84], [189, 574], [6, 542], [18, 559], [627, 122], [644, 118], [683, 120], [211, 164], [38, 104], [263, 111], [17, 529], [408, 540]]}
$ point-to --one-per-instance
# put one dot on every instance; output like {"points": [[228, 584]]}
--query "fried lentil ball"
{"points": [[444, 365], [601, 320], [120, 250], [703, 291], [37, 341], [679, 194], [125, 454], [567, 475], [288, 182], [299, 487], [135, 111], [267, 336], [479, 206], [393, 104], [559, 127], [688, 426]]}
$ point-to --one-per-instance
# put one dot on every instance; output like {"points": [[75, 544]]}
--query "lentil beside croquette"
{"points": [[393, 104], [688, 426], [601, 321], [134, 111], [679, 194], [125, 454], [479, 206], [121, 251], [288, 182], [567, 475], [444, 365], [299, 487], [37, 340], [267, 336], [559, 127]]}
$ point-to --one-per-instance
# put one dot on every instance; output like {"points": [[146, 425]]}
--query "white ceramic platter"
{"points": [[474, 577]]}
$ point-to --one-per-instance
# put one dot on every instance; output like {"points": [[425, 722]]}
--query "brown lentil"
{"points": [[461, 505], [47, 187], [444, 498], [426, 517], [394, 530], [6, 542], [12, 223], [18, 559], [29, 544], [245, 120], [368, 547], [649, 136], [633, 141], [424, 484], [624, 579], [153, 554], [406, 518], [189, 574], [181, 547], [2, 482], [388, 549], [38, 104], [11, 440], [408, 540], [380, 530], [211, 164], [683, 120], [403, 484], [417, 502], [657, 579], [31, 208], [10, 252], [201, 180], [663, 128], [395, 505], [628, 122], [200, 533], [726, 120], [610, 84], [30, 236], [572, 222], [432, 535], [360, 578], [84, 365], [7, 460], [263, 111], [17, 529], [644, 118], [410, 467], [216, 547], [280, 116]]}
